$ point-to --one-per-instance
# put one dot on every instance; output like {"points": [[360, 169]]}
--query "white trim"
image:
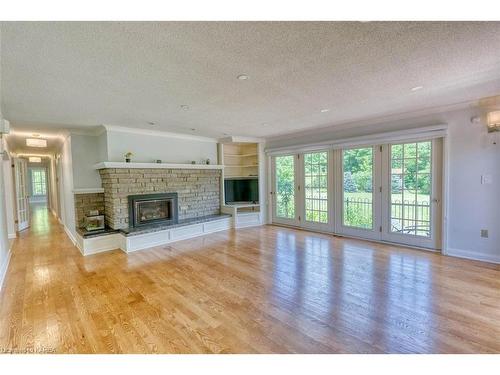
{"points": [[100, 244], [445, 186], [473, 255], [70, 235], [428, 132], [11, 236], [4, 268], [111, 164], [88, 190], [158, 133]]}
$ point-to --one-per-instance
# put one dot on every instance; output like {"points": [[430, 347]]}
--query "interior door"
{"points": [[20, 167], [412, 211], [285, 190], [360, 192]]}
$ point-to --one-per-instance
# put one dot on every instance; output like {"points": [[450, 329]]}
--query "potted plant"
{"points": [[128, 155]]}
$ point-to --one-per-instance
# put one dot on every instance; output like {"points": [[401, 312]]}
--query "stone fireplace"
{"points": [[198, 191], [147, 209]]}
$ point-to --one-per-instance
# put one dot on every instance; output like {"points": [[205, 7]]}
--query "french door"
{"points": [[302, 190], [20, 168], [359, 192], [387, 192], [285, 190], [412, 202]]}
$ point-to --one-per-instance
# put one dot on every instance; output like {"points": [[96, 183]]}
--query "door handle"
{"points": [[435, 200]]}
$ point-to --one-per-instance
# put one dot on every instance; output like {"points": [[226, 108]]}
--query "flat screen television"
{"points": [[241, 190]]}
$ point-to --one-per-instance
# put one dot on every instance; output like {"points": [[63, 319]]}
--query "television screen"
{"points": [[241, 190]]}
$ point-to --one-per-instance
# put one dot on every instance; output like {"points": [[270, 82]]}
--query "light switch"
{"points": [[486, 179]]}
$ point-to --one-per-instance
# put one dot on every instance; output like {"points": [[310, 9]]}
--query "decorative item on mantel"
{"points": [[128, 155]]}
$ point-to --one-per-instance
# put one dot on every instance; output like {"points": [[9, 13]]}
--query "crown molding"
{"points": [[158, 133]]}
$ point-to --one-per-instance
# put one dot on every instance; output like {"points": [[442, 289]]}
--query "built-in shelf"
{"points": [[112, 164]]}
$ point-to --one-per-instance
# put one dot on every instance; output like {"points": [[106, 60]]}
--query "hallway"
{"points": [[263, 289]]}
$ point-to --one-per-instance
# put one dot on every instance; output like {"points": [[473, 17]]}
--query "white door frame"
{"points": [[435, 241], [375, 232], [281, 220], [320, 227]]}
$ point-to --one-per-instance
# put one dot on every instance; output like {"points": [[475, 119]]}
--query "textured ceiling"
{"points": [[131, 73]]}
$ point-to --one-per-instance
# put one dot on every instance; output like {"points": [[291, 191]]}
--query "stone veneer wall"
{"points": [[84, 202], [198, 190]]}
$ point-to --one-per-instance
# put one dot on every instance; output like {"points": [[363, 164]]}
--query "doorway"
{"points": [[37, 184]]}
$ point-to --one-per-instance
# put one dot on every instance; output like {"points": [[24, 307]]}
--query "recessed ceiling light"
{"points": [[324, 110], [151, 123], [185, 107], [36, 142], [35, 159], [416, 88], [243, 77]]}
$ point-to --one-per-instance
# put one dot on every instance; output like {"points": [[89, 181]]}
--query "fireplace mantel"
{"points": [[116, 165]]}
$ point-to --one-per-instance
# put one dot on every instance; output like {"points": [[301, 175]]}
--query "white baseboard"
{"points": [[473, 255], [70, 235], [4, 267], [11, 236]]}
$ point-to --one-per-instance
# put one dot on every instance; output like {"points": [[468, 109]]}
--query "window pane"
{"points": [[285, 187], [358, 187]]}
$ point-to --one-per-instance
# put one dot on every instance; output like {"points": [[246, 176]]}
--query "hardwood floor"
{"points": [[265, 290]]}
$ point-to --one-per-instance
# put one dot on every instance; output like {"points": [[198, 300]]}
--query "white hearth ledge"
{"points": [[112, 164]]}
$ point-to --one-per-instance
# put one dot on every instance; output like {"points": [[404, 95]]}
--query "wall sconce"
{"points": [[493, 121]]}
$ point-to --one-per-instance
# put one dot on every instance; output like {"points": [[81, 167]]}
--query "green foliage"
{"points": [[357, 215], [285, 186], [357, 164]]}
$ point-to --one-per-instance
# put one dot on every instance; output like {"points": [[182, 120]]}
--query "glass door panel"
{"points": [[284, 198], [411, 185], [316, 187], [357, 188]]}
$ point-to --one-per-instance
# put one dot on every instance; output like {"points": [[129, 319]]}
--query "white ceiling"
{"points": [[129, 73]]}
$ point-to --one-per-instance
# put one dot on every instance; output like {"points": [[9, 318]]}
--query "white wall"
{"points": [[85, 152], [66, 195], [471, 153], [149, 147], [53, 192], [4, 240]]}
